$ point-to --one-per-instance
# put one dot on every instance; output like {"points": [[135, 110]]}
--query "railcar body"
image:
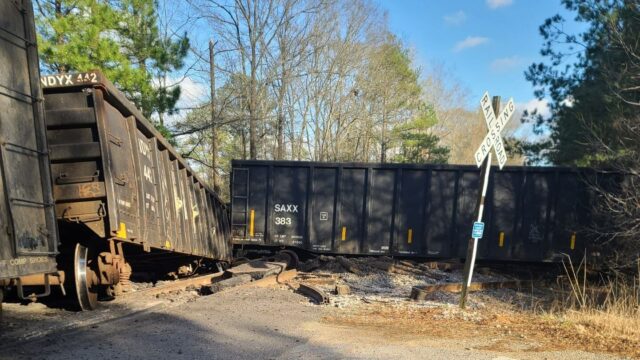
{"points": [[28, 236], [118, 181], [532, 214]]}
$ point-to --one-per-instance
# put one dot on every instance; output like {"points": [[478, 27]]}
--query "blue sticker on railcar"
{"points": [[478, 230]]}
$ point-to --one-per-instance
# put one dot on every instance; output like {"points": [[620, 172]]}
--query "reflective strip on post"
{"points": [[251, 220], [573, 241]]}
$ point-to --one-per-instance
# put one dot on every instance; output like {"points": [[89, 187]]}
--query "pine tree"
{"points": [[121, 38], [581, 77], [155, 53]]}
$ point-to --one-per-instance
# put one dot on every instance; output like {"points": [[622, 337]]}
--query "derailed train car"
{"points": [[532, 214], [28, 236], [117, 181]]}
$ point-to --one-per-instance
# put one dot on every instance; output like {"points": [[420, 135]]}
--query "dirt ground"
{"points": [[375, 321]]}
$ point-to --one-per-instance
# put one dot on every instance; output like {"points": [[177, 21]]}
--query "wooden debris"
{"points": [[396, 268], [310, 265], [348, 265], [326, 258], [423, 292], [343, 289]]}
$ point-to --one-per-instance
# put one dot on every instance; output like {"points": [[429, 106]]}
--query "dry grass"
{"points": [[586, 312], [602, 306]]}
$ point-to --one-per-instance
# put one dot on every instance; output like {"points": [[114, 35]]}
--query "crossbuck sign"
{"points": [[495, 123], [493, 139]]}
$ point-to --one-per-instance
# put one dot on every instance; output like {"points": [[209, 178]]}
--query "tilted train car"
{"points": [[28, 236], [532, 214], [117, 181]]}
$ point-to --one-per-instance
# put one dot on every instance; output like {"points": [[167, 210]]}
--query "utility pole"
{"points": [[214, 132]]}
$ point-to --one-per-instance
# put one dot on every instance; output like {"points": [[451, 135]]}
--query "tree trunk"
{"points": [[280, 120]]}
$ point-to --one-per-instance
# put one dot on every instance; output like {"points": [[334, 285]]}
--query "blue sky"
{"points": [[484, 44]]}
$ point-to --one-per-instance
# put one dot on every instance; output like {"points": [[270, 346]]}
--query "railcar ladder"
{"points": [[240, 200]]}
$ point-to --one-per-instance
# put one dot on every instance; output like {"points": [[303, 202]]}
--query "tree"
{"points": [[155, 54], [72, 37], [579, 77], [390, 87], [417, 143], [595, 103], [120, 38]]}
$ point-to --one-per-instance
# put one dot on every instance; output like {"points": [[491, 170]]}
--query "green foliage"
{"points": [[77, 35], [585, 76], [399, 119], [119, 37], [417, 144], [152, 52]]}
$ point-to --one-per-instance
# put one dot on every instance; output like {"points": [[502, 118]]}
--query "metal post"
{"points": [[214, 135], [472, 248]]}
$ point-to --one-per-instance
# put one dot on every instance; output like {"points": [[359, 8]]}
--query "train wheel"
{"points": [[84, 279]]}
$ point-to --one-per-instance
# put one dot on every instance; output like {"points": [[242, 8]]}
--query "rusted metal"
{"points": [[182, 284], [118, 177], [56, 278], [278, 279], [205, 280], [315, 293], [28, 235], [423, 292], [258, 268]]}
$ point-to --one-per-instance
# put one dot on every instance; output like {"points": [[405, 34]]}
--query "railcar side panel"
{"points": [[288, 206], [323, 213], [380, 212], [136, 187], [351, 206], [28, 233], [411, 210], [410, 236]]}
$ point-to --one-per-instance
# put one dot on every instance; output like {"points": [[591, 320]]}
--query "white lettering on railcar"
{"points": [[69, 79], [151, 202], [148, 173], [23, 260], [288, 208], [282, 220], [145, 149]]}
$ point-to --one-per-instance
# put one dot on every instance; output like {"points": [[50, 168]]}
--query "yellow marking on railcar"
{"points": [[167, 244], [501, 241], [122, 231], [344, 233], [251, 221], [573, 241], [410, 236]]}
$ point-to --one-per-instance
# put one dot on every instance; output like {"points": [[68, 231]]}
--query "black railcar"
{"points": [[532, 213], [118, 181], [28, 236]]}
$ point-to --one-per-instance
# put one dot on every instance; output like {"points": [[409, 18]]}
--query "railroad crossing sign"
{"points": [[493, 139], [495, 123]]}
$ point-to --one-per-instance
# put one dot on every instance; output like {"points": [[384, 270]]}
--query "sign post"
{"points": [[493, 139]]}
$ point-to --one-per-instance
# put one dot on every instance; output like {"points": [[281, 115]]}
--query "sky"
{"points": [[485, 44]]}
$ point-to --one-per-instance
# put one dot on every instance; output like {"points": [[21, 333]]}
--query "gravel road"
{"points": [[252, 323]]}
